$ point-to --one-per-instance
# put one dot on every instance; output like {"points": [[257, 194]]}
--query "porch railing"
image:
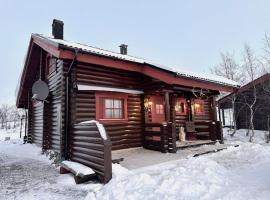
{"points": [[89, 147], [216, 132], [160, 137], [209, 129]]}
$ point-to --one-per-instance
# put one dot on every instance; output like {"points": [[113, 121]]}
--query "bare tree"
{"points": [[266, 55], [13, 115], [229, 68], [4, 115], [251, 67]]}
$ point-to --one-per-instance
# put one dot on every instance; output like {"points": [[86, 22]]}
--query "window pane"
{"points": [[108, 103], [108, 113], [199, 107], [117, 103], [118, 113], [159, 109]]}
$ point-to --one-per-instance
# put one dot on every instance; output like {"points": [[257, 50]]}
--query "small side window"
{"points": [[199, 107], [181, 106], [159, 109], [111, 106]]}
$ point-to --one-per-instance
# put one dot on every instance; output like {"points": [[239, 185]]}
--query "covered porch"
{"points": [[179, 118]]}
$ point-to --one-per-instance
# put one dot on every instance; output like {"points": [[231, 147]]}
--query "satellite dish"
{"points": [[40, 90]]}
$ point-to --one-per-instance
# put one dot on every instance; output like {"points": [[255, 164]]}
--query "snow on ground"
{"points": [[135, 158], [25, 174], [240, 136], [235, 173], [11, 133]]}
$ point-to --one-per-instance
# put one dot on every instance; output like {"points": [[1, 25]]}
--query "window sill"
{"points": [[112, 121], [180, 113]]}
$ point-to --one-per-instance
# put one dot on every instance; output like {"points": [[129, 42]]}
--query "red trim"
{"points": [[47, 66], [47, 47], [26, 64], [181, 100], [100, 109], [167, 77], [201, 103], [257, 81]]}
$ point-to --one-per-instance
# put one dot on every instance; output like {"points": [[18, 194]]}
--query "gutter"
{"points": [[67, 118]]}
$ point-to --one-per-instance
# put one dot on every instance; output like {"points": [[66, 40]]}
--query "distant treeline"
{"points": [[10, 116]]}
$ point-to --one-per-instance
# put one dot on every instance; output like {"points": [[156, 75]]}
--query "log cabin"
{"points": [[243, 97], [140, 103]]}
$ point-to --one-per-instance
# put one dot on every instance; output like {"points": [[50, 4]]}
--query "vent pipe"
{"points": [[123, 49]]}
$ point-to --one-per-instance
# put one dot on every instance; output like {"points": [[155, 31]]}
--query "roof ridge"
{"points": [[108, 53], [87, 45]]}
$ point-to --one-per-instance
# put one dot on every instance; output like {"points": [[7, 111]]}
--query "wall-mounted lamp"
{"points": [[147, 104]]}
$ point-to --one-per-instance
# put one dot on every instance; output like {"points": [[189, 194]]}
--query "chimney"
{"points": [[58, 29], [123, 49]]}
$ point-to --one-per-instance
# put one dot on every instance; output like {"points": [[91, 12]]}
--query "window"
{"points": [[199, 107], [159, 109], [181, 106], [111, 106]]}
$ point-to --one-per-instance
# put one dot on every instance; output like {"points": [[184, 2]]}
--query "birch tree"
{"points": [[229, 68], [251, 66]]}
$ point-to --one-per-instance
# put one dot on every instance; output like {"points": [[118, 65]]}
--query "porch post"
{"points": [[167, 107], [223, 117], [170, 126], [213, 114], [219, 114], [213, 109]]}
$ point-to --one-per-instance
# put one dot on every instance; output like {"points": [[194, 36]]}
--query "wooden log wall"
{"points": [[88, 147], [55, 115], [123, 135], [37, 124], [261, 107], [29, 122]]}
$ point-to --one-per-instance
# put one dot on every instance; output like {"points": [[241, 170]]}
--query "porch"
{"points": [[136, 158], [179, 114], [164, 137]]}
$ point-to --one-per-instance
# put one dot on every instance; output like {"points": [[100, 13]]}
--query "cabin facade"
{"points": [[140, 104], [244, 97]]}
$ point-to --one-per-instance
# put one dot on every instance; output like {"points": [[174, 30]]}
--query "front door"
{"points": [[157, 109]]}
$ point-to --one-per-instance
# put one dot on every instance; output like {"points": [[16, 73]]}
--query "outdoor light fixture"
{"points": [[148, 104]]}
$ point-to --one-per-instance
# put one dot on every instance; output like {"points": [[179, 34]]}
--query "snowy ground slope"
{"points": [[236, 173], [26, 174]]}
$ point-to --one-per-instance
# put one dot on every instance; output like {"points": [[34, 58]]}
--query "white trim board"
{"points": [[109, 89]]}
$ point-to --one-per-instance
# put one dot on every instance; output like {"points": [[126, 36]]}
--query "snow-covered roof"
{"points": [[181, 73]]}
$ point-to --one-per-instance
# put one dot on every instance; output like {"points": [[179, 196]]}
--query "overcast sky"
{"points": [[181, 34]]}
